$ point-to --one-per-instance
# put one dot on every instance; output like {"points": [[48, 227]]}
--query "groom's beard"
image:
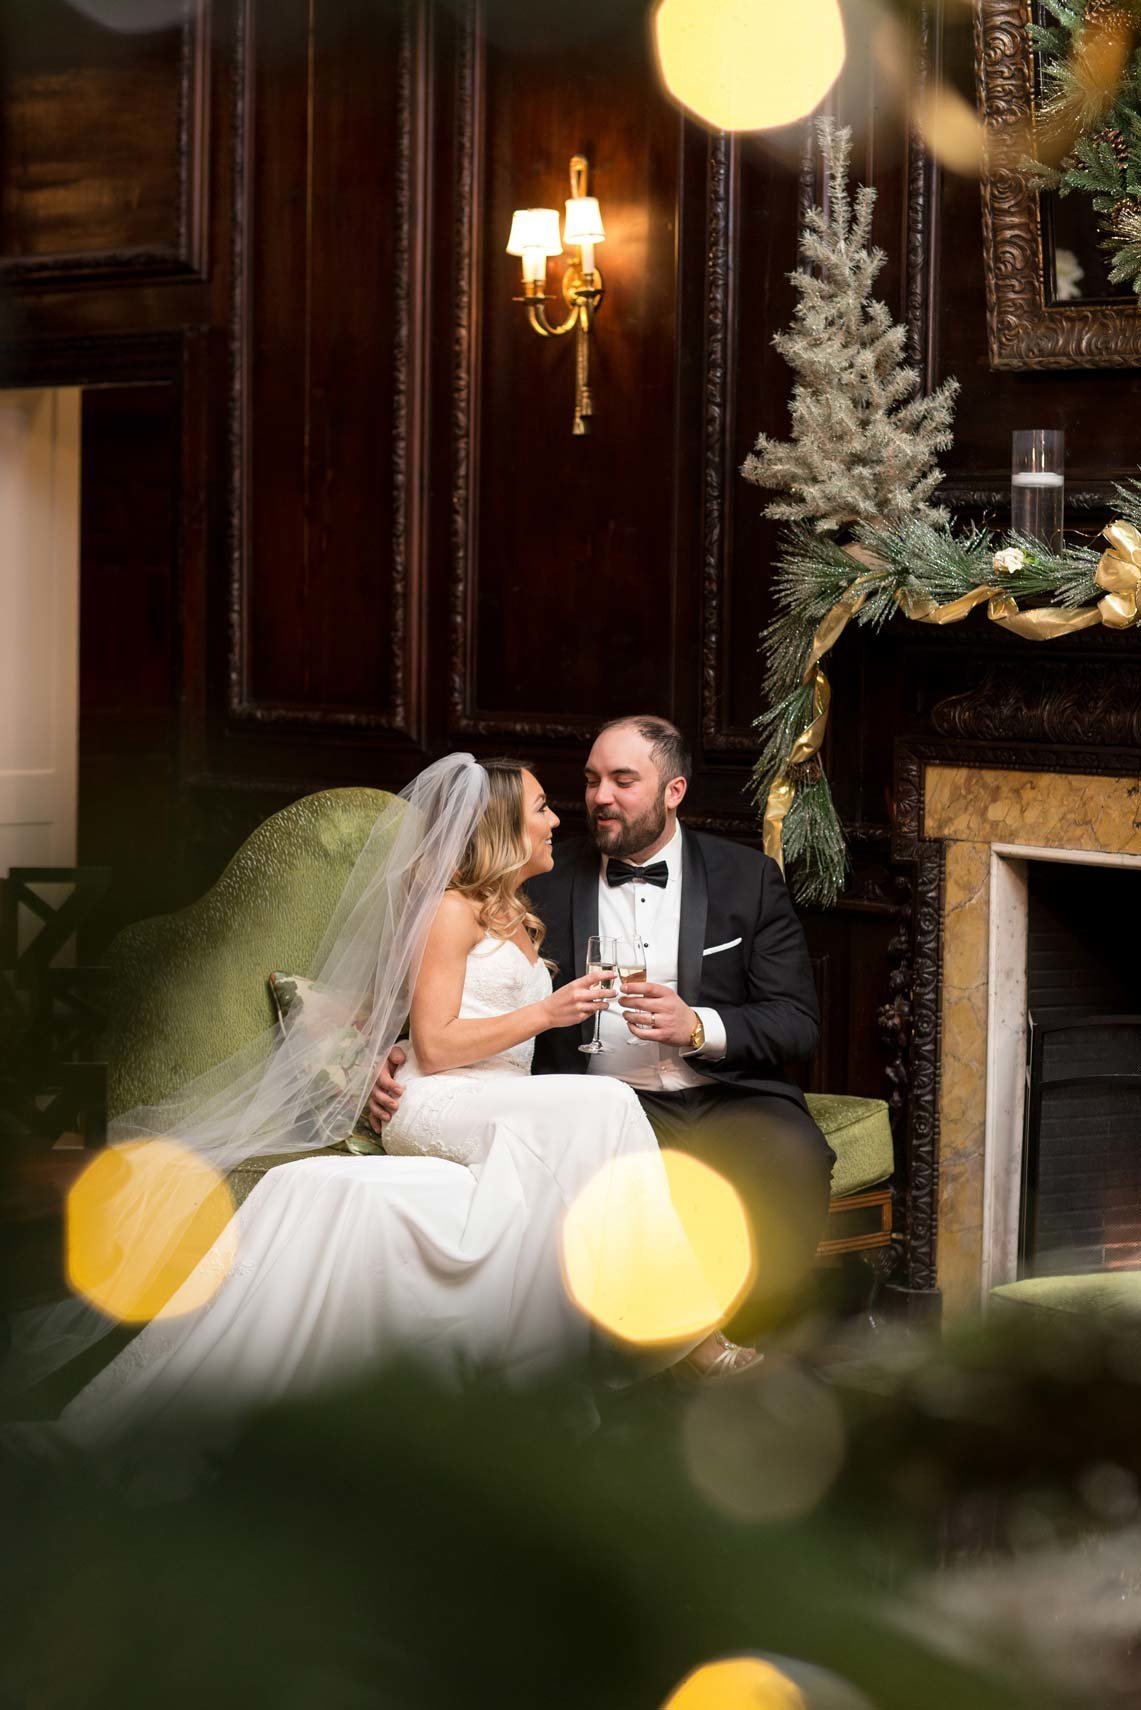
{"points": [[624, 837]]}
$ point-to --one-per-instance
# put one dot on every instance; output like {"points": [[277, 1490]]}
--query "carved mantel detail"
{"points": [[1098, 705]]}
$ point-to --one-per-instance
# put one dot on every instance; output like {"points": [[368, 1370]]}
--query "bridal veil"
{"points": [[298, 1087]]}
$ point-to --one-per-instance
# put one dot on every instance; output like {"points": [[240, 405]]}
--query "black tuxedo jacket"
{"points": [[761, 985]]}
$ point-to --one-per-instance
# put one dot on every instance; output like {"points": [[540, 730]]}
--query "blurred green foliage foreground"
{"points": [[402, 1546]]}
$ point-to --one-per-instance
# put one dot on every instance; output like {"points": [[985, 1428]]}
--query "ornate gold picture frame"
{"points": [[1025, 329]]}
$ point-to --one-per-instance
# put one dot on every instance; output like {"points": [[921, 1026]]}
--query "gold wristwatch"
{"points": [[697, 1037]]}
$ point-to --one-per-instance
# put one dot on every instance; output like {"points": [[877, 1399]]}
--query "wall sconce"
{"points": [[535, 237]]}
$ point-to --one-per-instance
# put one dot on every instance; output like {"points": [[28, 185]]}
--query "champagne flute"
{"points": [[631, 953], [602, 961]]}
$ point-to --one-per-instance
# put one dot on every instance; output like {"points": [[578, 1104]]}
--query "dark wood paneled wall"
{"points": [[102, 169], [328, 313], [129, 658], [278, 232]]}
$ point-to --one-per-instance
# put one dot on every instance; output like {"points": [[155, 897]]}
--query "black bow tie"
{"points": [[621, 873]]}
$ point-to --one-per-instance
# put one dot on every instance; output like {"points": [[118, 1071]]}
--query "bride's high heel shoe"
{"points": [[731, 1360]]}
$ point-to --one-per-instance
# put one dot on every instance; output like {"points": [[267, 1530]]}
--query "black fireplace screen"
{"points": [[1081, 1191], [1081, 1200]]}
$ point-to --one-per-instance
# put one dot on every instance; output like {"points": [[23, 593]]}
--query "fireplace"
{"points": [[984, 830]]}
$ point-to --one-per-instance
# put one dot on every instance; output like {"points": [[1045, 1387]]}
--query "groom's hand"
{"points": [[387, 1090], [657, 1013]]}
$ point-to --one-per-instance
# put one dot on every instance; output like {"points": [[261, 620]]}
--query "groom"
{"points": [[727, 1002]]}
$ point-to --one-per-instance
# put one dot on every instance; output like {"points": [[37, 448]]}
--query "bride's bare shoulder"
{"points": [[457, 921]]}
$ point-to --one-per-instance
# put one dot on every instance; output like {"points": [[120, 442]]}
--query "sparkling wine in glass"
{"points": [[632, 970], [601, 961]]}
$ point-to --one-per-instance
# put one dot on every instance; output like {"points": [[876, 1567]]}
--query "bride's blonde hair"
{"points": [[496, 851]]}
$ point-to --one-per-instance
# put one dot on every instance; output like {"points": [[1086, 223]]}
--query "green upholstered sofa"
{"points": [[1109, 1296], [189, 989]]}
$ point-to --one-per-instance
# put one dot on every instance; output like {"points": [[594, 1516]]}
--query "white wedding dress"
{"points": [[448, 1246]]}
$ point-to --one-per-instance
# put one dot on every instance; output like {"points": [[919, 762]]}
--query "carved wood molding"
{"points": [[922, 1160], [236, 530], [921, 232], [194, 137], [1076, 707], [98, 267], [907, 806], [717, 472], [465, 366], [1023, 330], [995, 495], [187, 258], [407, 452], [407, 535], [893, 1019], [94, 359], [536, 727]]}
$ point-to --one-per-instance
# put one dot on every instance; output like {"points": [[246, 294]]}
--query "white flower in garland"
{"points": [[1009, 561]]}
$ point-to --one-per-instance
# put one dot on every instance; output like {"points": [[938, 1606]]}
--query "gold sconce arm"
{"points": [[582, 291]]}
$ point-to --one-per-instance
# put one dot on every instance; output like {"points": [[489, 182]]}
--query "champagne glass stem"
{"points": [[600, 961]]}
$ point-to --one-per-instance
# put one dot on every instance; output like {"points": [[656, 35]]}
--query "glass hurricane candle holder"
{"points": [[1038, 485]]}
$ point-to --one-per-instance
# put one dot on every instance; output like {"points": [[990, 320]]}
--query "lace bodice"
{"points": [[499, 978]]}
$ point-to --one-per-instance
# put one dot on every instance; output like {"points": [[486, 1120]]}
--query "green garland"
{"points": [[916, 563]]}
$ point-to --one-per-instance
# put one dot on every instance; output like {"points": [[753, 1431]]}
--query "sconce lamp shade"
{"points": [[748, 65], [583, 222], [536, 229]]}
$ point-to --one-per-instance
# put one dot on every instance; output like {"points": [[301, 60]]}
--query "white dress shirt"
{"points": [[651, 915]]}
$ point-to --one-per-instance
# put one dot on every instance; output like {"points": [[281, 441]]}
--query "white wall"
{"points": [[39, 627]]}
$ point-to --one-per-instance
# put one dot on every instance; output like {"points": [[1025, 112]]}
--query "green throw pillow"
{"points": [[298, 997]]}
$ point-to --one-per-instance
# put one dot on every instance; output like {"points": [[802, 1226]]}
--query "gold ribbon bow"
{"points": [[1119, 572]]}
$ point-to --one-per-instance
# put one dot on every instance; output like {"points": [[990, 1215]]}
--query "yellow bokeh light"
{"points": [[749, 65], [138, 1221], [951, 129], [654, 1264], [767, 1451], [736, 1683]]}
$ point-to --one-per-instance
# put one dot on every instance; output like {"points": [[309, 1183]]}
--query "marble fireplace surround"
{"points": [[991, 822]]}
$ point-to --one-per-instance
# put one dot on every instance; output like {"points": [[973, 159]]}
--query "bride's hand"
{"points": [[576, 1002]]}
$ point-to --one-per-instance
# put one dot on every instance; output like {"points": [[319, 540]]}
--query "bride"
{"points": [[449, 1246]]}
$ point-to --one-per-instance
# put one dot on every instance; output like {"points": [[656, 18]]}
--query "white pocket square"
{"points": [[714, 948]]}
